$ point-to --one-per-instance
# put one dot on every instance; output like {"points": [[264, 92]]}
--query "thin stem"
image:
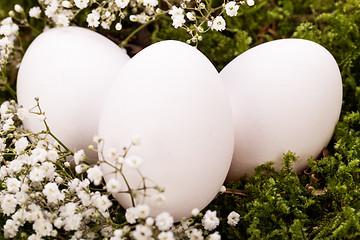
{"points": [[125, 41]]}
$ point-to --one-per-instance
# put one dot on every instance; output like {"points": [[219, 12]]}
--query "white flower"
{"points": [[66, 4], [112, 154], [118, 26], [113, 185], [196, 234], [142, 211], [13, 185], [149, 221], [159, 199], [195, 212], [142, 232], [231, 8], [52, 193], [210, 221], [250, 2], [81, 3], [84, 197], [61, 20], [22, 197], [95, 174], [2, 144], [130, 215], [38, 155], [233, 218], [73, 222], [178, 21], [35, 13], [222, 189], [133, 161], [164, 221], [214, 236], [48, 169], [52, 155], [10, 228], [105, 25], [79, 156], [93, 19], [21, 112], [136, 140], [166, 236], [43, 228], [217, 24], [18, 8], [122, 3], [190, 16], [37, 174], [50, 10], [21, 144], [103, 203], [175, 11], [81, 168], [152, 3], [8, 204]]}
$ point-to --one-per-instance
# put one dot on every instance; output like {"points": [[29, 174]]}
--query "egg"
{"points": [[171, 96], [70, 70], [285, 95]]}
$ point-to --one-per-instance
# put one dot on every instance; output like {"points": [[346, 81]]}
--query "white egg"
{"points": [[285, 95], [70, 70], [172, 96]]}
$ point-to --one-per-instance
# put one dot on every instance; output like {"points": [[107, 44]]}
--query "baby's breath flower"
{"points": [[113, 185], [217, 24], [149, 221], [133, 161], [250, 2], [190, 16], [142, 232], [122, 3], [196, 234], [214, 236], [22, 113], [93, 19], [18, 8], [95, 174], [233, 218], [81, 3], [21, 144], [195, 212], [35, 12], [52, 193], [222, 189], [159, 199], [79, 157], [8, 204], [142, 211], [210, 221], [130, 215], [231, 8], [164, 221], [118, 26], [166, 236]]}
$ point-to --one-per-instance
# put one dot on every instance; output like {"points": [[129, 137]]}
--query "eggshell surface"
{"points": [[172, 96], [285, 95], [70, 70]]}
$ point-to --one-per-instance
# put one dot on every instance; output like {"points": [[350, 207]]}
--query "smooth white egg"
{"points": [[70, 70], [285, 95], [172, 96]]}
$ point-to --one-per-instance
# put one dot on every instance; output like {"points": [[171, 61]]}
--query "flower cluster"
{"points": [[195, 16], [42, 189]]}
